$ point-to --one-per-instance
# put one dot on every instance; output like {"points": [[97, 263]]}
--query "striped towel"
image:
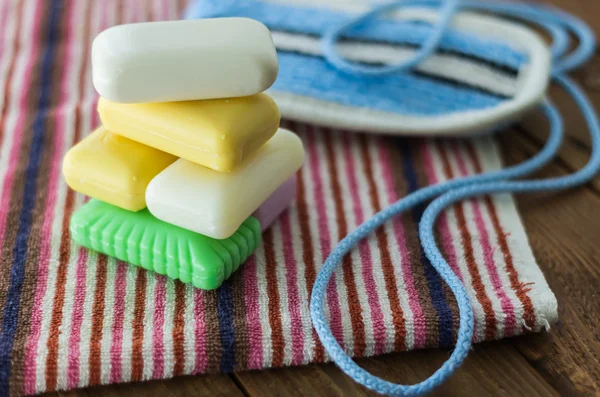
{"points": [[72, 318]]}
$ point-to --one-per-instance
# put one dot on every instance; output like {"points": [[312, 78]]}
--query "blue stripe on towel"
{"points": [[438, 297], [225, 314], [17, 272], [399, 93]]}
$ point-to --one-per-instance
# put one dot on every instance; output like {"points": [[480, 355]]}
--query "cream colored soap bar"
{"points": [[184, 60], [114, 169], [216, 133], [215, 203]]}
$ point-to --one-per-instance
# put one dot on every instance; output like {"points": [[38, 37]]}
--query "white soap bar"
{"points": [[216, 203], [184, 60]]}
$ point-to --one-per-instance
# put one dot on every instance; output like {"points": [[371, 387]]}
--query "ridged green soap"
{"points": [[143, 240]]}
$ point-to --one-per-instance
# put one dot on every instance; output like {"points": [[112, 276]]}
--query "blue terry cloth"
{"points": [[418, 93]]}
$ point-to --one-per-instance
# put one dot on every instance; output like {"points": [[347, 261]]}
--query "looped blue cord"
{"points": [[447, 10], [558, 24]]}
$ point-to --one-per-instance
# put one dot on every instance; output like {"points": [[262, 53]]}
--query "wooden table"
{"points": [[564, 230]]}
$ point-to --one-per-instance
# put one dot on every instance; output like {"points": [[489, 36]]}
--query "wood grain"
{"points": [[575, 151], [494, 369], [198, 386]]}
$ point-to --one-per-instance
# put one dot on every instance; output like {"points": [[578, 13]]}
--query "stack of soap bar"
{"points": [[190, 165]]}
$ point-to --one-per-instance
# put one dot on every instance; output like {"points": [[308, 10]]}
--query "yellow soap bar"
{"points": [[216, 133], [114, 169]]}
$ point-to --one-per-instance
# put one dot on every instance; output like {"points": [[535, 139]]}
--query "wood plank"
{"points": [[563, 235], [310, 380], [572, 155], [588, 76], [494, 369], [198, 386], [575, 150], [574, 121]]}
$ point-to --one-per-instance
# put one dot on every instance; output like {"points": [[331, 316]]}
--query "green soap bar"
{"points": [[143, 240]]}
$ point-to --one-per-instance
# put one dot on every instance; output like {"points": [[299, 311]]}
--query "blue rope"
{"points": [[447, 10], [558, 24]]}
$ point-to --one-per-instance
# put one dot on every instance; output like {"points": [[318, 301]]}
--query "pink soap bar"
{"points": [[277, 202]]}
